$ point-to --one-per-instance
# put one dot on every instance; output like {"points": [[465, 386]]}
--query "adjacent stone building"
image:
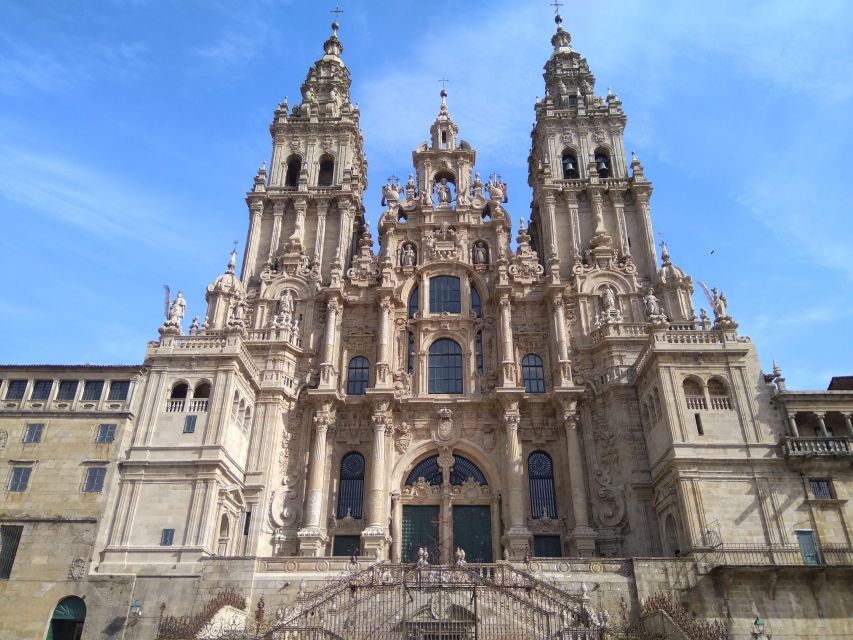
{"points": [[538, 408]]}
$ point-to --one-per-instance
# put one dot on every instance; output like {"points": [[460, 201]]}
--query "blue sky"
{"points": [[130, 131]]}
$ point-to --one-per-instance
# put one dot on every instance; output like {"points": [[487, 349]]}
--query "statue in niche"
{"points": [[408, 257], [285, 304], [652, 304], [443, 192], [480, 253], [177, 310], [608, 298]]}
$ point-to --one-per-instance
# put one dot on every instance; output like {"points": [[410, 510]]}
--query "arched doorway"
{"points": [[67, 620], [446, 504]]}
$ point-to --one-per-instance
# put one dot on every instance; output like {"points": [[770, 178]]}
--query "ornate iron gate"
{"points": [[423, 602]]}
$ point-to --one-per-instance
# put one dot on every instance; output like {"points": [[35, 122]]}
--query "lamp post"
{"points": [[759, 629]]}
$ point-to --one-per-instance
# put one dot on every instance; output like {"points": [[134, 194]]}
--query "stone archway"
{"points": [[67, 620]]}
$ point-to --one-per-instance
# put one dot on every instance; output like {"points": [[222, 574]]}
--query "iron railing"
{"points": [[788, 555]]}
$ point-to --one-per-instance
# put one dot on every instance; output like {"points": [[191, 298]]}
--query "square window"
{"points": [[189, 424], [94, 482], [10, 536], [16, 389], [41, 390], [33, 433], [167, 537], [346, 546], [67, 390], [119, 390], [106, 433], [821, 488], [20, 478], [92, 389]]}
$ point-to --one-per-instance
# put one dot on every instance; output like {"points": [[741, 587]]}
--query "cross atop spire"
{"points": [[556, 4], [337, 11], [443, 82]]}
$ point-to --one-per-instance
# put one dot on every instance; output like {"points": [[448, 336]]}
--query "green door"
{"points": [[420, 529], [472, 532]]}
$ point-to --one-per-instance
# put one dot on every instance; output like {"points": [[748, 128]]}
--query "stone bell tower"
{"points": [[305, 212]]}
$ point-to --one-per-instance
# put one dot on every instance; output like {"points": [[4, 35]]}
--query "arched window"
{"points": [[358, 373], [463, 469], [427, 469], [475, 302], [351, 492], [570, 166], [670, 531], [602, 163], [327, 171], [224, 534], [202, 390], [540, 474], [478, 351], [693, 394], [719, 395], [445, 367], [444, 295], [410, 353], [67, 619], [413, 302], [533, 373], [179, 391], [294, 167]]}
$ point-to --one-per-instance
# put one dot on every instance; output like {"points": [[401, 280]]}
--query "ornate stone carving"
{"points": [[77, 570], [610, 512], [4, 438], [445, 432], [365, 269], [402, 437]]}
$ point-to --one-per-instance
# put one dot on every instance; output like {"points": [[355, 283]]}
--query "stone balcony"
{"points": [[778, 555], [804, 448]]}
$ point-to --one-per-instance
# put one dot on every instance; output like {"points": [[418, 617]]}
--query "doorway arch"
{"points": [[67, 620]]}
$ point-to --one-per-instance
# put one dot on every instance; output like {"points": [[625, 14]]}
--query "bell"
{"points": [[570, 166], [602, 164]]}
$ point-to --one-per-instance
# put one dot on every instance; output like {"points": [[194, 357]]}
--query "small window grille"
{"points": [[94, 482], [41, 390], [119, 390], [92, 390], [475, 302], [16, 389], [478, 350], [10, 537], [358, 374], [410, 353], [346, 546], [533, 373], [106, 433], [67, 390], [33, 433], [20, 478], [167, 537], [189, 423], [821, 488]]}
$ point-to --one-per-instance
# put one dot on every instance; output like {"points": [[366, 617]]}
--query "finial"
{"points": [[557, 17], [335, 26], [664, 253], [777, 371], [232, 261]]}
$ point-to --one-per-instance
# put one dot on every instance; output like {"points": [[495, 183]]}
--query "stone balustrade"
{"points": [[808, 447], [175, 406]]}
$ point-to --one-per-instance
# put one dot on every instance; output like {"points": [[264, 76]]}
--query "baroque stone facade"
{"points": [[549, 401]]}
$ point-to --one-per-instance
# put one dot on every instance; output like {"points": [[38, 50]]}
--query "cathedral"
{"points": [[444, 427]]}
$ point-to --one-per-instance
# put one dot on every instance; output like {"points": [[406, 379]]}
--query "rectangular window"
{"points": [[106, 433], [41, 390], [699, 429], [821, 488], [119, 390], [547, 547], [92, 389], [20, 478], [67, 390], [189, 424], [94, 482], [10, 537], [15, 390], [346, 546], [167, 537], [33, 433]]}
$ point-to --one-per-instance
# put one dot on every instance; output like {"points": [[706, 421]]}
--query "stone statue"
{"points": [[407, 255], [652, 304], [285, 303], [608, 298], [460, 556], [194, 327], [477, 187], [177, 310], [480, 254], [704, 319], [443, 191], [718, 301]]}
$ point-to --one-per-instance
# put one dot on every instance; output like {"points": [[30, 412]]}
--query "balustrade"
{"points": [[816, 446], [175, 406]]}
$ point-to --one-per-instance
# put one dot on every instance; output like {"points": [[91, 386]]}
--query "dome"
{"points": [[669, 273], [228, 282]]}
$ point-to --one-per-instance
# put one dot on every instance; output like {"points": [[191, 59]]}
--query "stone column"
{"points": [[327, 366], [792, 426], [312, 538], [373, 536], [562, 341], [396, 528], [642, 198], [582, 540], [383, 379], [509, 378], [619, 204], [822, 424], [320, 240], [548, 221], [297, 239], [445, 526], [849, 424], [517, 536], [278, 214], [256, 209]]}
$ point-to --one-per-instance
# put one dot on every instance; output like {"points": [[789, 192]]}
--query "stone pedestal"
{"points": [[374, 543], [582, 542], [312, 543], [516, 542]]}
